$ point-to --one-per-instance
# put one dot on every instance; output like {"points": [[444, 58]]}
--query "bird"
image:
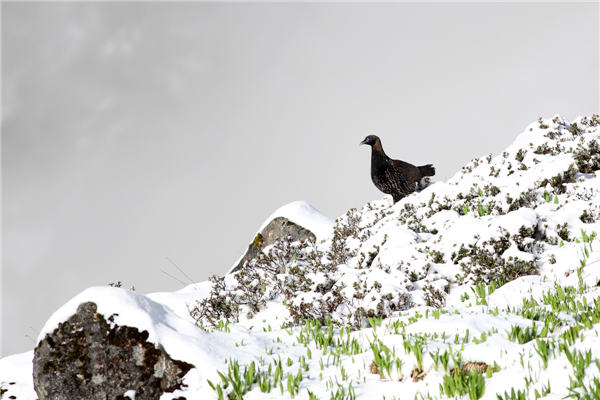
{"points": [[395, 177]]}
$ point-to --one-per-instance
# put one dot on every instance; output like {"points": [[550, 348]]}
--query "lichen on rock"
{"points": [[88, 357], [279, 228]]}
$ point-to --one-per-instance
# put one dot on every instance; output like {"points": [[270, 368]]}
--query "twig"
{"points": [[171, 276], [180, 270]]}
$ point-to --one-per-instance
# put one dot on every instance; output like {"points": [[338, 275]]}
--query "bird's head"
{"points": [[371, 140]]}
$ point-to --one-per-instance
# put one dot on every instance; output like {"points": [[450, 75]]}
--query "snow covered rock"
{"points": [[298, 220], [90, 357]]}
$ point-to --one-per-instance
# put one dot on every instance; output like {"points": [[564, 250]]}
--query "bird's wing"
{"points": [[401, 164], [397, 181], [409, 172]]}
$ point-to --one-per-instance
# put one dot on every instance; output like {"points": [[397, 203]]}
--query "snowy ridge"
{"points": [[496, 271]]}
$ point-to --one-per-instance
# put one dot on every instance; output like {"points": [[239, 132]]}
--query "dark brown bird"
{"points": [[394, 177]]}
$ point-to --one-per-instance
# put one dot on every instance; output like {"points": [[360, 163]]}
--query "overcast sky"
{"points": [[133, 132]]}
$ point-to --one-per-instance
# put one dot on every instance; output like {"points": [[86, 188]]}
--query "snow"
{"points": [[16, 375], [441, 242], [305, 215], [511, 295]]}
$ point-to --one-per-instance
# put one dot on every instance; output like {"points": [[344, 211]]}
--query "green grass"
{"points": [[457, 383]]}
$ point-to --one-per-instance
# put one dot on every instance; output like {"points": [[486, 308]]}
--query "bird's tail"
{"points": [[427, 170]]}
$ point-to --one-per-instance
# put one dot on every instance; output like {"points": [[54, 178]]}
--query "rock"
{"points": [[297, 219], [278, 228], [88, 357]]}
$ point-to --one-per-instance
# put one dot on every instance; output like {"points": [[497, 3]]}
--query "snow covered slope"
{"points": [[484, 286]]}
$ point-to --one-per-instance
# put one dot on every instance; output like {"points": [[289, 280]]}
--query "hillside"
{"points": [[484, 286]]}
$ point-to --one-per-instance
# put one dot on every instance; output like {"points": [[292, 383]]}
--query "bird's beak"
{"points": [[363, 142]]}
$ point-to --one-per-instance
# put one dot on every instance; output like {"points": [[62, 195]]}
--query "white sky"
{"points": [[132, 132]]}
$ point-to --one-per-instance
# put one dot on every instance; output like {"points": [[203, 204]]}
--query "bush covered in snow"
{"points": [[497, 219]]}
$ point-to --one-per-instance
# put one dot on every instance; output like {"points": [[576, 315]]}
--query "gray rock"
{"points": [[88, 358], [278, 228]]}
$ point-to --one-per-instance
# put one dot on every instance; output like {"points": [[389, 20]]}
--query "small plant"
{"points": [[343, 394], [520, 335], [579, 361], [223, 326], [416, 347], [458, 384], [518, 395], [483, 211], [547, 196], [485, 264], [313, 331], [374, 322], [384, 361], [544, 391], [219, 305], [347, 345], [293, 383], [481, 292], [587, 217], [238, 383], [434, 297], [444, 359], [542, 349]]}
